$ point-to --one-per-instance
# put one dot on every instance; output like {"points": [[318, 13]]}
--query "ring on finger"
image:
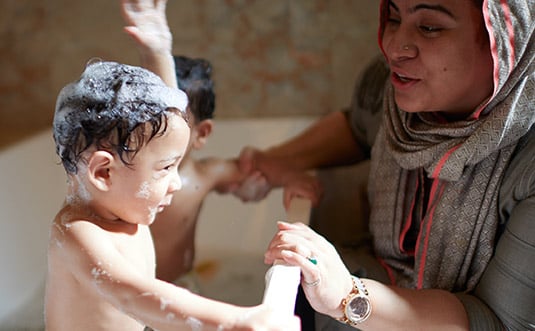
{"points": [[312, 284], [313, 259]]}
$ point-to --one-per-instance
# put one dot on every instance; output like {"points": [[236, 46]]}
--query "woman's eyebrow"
{"points": [[425, 6], [393, 5]]}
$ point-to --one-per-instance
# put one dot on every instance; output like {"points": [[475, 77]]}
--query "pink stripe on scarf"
{"points": [[433, 200], [510, 32], [494, 49], [431, 208], [407, 225]]}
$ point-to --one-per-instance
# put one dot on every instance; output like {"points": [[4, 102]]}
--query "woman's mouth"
{"points": [[402, 78], [402, 81]]}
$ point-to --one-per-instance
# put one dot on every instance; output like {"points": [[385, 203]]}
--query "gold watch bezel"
{"points": [[360, 293]]}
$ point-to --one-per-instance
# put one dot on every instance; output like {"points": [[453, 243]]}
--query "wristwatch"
{"points": [[356, 306]]}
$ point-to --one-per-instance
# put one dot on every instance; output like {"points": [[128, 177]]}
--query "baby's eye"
{"points": [[171, 167]]}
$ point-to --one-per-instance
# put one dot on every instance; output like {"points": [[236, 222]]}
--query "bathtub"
{"points": [[231, 236]]}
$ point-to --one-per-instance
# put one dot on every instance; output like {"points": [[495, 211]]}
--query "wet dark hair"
{"points": [[112, 107], [194, 77]]}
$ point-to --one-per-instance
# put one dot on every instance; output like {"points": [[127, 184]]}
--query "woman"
{"points": [[452, 190]]}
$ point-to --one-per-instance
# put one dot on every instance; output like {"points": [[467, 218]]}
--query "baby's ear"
{"points": [[204, 129], [98, 170]]}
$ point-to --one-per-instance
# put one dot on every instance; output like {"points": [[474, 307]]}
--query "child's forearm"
{"points": [[162, 64], [164, 306], [147, 26]]}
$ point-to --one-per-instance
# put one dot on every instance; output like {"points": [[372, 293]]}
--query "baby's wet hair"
{"points": [[194, 77], [113, 107]]}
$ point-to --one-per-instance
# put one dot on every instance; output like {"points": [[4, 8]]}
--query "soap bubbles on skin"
{"points": [[83, 193], [59, 241], [194, 324], [164, 303], [99, 273], [153, 212], [74, 181], [144, 191]]}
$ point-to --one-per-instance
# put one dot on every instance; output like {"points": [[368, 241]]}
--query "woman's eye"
{"points": [[393, 20], [429, 28]]}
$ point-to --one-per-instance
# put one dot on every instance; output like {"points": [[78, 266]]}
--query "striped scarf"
{"points": [[443, 179]]}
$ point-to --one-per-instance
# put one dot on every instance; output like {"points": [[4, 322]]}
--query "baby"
{"points": [[121, 133], [174, 230], [174, 233]]}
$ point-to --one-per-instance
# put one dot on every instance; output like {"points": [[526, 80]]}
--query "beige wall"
{"points": [[270, 57]]}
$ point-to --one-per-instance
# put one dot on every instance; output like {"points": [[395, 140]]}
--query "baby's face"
{"points": [[147, 187]]}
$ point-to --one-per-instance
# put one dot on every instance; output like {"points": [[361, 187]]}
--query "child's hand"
{"points": [[263, 318], [302, 185], [254, 188], [147, 25]]}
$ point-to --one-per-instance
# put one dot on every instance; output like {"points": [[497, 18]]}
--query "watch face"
{"points": [[358, 308]]}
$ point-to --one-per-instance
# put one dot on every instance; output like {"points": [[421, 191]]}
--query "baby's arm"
{"points": [[97, 263], [147, 25], [231, 179]]}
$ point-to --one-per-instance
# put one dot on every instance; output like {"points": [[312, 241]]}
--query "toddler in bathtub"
{"points": [[121, 134], [174, 229]]}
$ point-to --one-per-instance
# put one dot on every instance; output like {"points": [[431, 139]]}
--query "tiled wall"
{"points": [[270, 57]]}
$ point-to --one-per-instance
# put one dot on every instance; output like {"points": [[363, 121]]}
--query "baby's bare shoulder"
{"points": [[83, 236]]}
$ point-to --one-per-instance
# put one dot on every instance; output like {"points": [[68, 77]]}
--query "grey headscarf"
{"points": [[464, 160]]}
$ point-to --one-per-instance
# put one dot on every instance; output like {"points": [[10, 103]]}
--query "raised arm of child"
{"points": [[147, 25]]}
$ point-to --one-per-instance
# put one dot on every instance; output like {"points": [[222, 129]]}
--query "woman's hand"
{"points": [[264, 172], [302, 185], [325, 282], [276, 169], [255, 185]]}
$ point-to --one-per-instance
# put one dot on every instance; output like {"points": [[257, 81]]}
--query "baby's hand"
{"points": [[147, 25], [254, 188], [302, 185], [264, 318]]}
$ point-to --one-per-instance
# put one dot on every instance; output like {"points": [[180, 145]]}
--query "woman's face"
{"points": [[439, 55]]}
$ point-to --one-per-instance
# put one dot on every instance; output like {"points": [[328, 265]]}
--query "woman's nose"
{"points": [[399, 45]]}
